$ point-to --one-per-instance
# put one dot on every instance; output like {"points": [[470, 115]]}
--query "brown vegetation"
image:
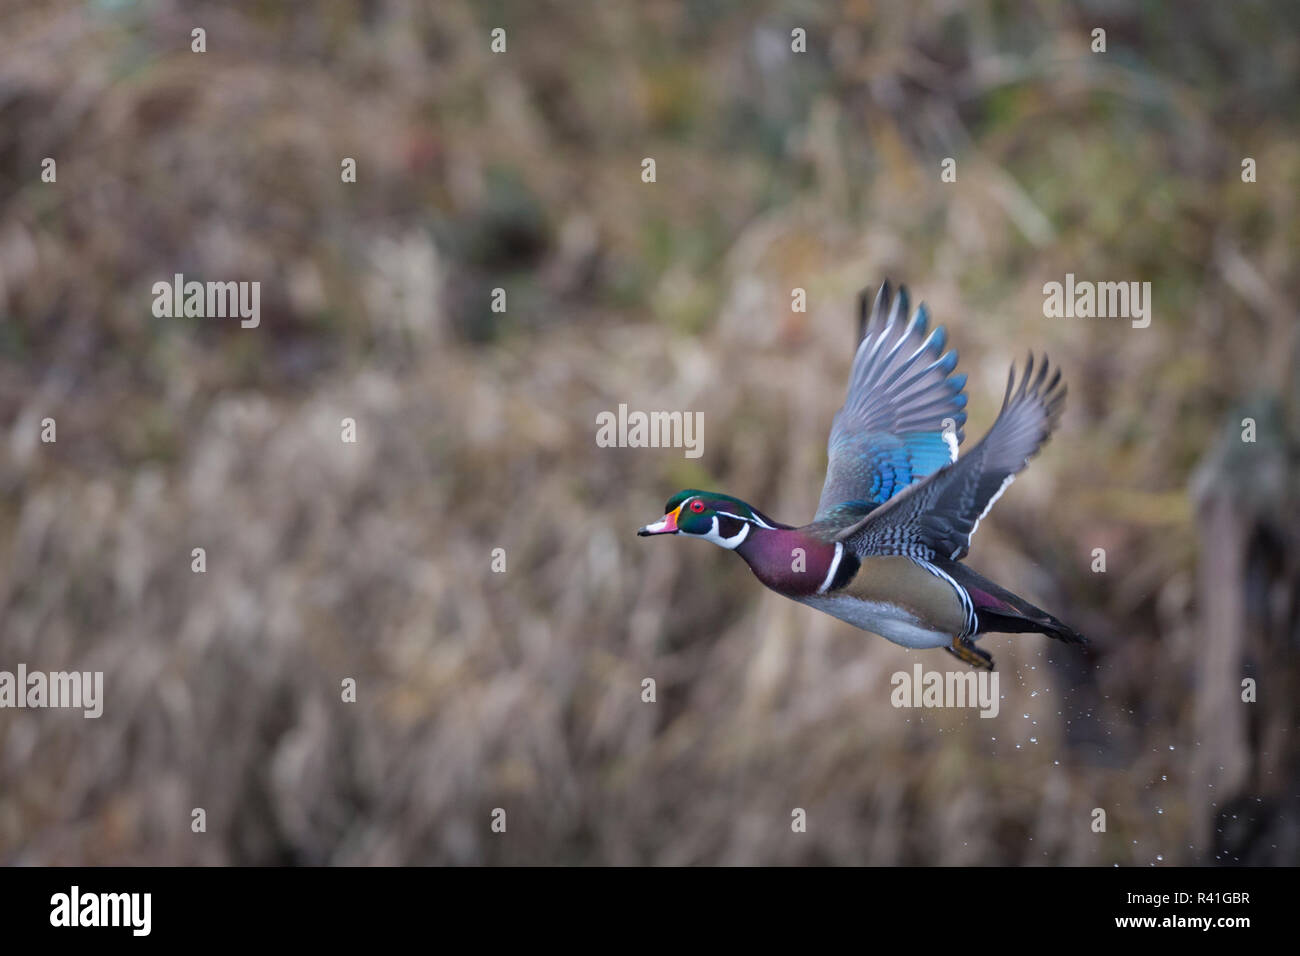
{"points": [[476, 429]]}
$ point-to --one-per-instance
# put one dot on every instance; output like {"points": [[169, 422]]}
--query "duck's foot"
{"points": [[965, 649]]}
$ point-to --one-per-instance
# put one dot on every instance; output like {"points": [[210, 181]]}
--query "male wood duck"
{"points": [[898, 508]]}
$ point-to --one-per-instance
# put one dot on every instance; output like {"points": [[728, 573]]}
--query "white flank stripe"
{"points": [[967, 605]]}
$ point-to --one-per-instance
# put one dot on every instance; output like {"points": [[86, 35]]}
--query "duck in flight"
{"points": [[899, 507]]}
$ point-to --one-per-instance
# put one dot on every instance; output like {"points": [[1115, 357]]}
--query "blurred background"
{"points": [[521, 690]]}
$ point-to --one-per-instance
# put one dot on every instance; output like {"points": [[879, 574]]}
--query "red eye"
{"points": [[697, 505]]}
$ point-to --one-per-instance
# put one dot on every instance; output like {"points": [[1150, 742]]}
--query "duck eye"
{"points": [[697, 506]]}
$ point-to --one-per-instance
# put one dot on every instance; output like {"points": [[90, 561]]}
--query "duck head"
{"points": [[722, 519]]}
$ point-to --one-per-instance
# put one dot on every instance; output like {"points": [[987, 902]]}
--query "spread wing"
{"points": [[891, 430], [937, 517]]}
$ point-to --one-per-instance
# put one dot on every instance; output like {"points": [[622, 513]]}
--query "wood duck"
{"points": [[898, 508]]}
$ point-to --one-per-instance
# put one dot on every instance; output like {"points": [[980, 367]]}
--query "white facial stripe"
{"points": [[715, 535], [754, 520], [835, 566]]}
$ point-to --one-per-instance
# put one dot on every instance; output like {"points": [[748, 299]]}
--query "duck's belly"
{"points": [[888, 620]]}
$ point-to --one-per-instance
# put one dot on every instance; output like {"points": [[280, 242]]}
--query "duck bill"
{"points": [[665, 525]]}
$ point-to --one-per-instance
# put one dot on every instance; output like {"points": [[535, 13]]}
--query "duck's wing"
{"points": [[902, 418], [938, 516]]}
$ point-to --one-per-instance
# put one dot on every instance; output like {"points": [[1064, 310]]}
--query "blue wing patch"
{"points": [[903, 416]]}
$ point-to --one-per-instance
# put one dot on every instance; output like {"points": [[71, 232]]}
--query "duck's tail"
{"points": [[999, 611]]}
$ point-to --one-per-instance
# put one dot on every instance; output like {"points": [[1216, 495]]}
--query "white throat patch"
{"points": [[732, 543]]}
